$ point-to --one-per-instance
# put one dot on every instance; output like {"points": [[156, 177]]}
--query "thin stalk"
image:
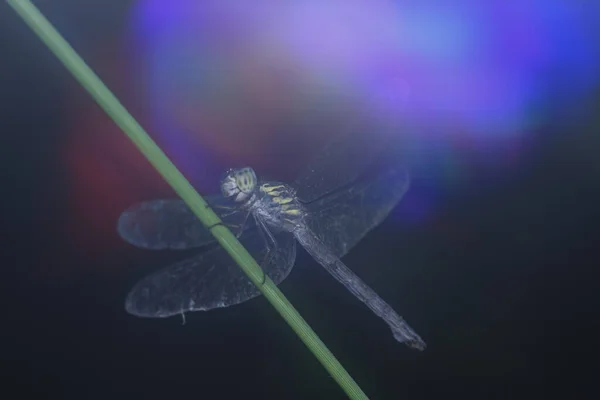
{"points": [[90, 81]]}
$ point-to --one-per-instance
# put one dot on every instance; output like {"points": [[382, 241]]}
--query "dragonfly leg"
{"points": [[213, 225], [242, 226], [269, 247], [222, 210], [232, 210], [238, 229]]}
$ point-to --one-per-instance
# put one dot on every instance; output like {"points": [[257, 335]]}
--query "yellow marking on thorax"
{"points": [[269, 189], [293, 211], [282, 200], [287, 206]]}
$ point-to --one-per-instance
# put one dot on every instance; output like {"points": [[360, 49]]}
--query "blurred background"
{"points": [[491, 256]]}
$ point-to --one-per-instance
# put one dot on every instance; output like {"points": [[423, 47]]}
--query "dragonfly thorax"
{"points": [[278, 206]]}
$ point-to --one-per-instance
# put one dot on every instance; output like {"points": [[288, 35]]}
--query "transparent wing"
{"points": [[341, 219], [170, 224], [344, 158], [209, 280]]}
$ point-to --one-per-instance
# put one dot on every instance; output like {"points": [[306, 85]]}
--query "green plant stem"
{"points": [[90, 81]]}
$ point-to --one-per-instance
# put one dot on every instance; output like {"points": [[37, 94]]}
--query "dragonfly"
{"points": [[327, 213]]}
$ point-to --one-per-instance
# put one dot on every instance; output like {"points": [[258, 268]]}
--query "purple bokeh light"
{"points": [[472, 79]]}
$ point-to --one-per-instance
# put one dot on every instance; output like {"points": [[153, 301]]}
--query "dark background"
{"points": [[502, 285]]}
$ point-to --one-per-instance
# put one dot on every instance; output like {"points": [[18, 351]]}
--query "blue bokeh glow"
{"points": [[472, 79]]}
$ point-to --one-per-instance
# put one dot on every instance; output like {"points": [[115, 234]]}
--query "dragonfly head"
{"points": [[239, 184]]}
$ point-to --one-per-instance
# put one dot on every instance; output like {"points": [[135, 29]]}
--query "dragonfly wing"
{"points": [[346, 155], [171, 224], [343, 218], [209, 280]]}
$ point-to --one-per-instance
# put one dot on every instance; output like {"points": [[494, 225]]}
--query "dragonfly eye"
{"points": [[245, 179], [239, 183]]}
